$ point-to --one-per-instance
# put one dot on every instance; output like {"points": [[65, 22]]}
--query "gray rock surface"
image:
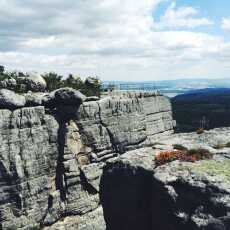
{"points": [[177, 195], [68, 96], [35, 82], [116, 124], [32, 82], [28, 150], [195, 195], [47, 153], [70, 164], [11, 100], [9, 83], [215, 140]]}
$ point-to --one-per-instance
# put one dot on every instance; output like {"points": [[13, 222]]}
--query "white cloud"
{"points": [[182, 17], [225, 24], [114, 39]]}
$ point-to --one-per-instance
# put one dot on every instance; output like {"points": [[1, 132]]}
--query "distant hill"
{"points": [[169, 87], [204, 108]]}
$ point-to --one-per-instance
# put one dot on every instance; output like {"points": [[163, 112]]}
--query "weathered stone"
{"points": [[177, 196], [120, 123], [68, 96], [28, 150], [35, 82], [32, 82], [59, 162], [9, 83], [201, 192], [11, 100]]}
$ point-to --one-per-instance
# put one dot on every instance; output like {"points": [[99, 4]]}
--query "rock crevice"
{"points": [[53, 153]]}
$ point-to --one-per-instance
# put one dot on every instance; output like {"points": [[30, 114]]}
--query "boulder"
{"points": [[68, 96], [33, 99], [35, 82], [11, 100], [9, 83]]}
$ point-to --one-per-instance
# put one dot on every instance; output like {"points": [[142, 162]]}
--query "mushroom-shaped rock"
{"points": [[11, 100], [35, 82], [68, 96]]}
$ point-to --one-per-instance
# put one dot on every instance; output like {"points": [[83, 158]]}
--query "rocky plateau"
{"points": [[72, 162]]}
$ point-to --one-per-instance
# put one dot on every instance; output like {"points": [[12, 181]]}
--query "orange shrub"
{"points": [[182, 155], [168, 156]]}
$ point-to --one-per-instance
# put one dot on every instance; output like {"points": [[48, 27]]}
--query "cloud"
{"points": [[182, 17], [225, 25], [114, 39]]}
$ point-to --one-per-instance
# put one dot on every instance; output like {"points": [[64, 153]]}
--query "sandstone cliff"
{"points": [[71, 162], [53, 148]]}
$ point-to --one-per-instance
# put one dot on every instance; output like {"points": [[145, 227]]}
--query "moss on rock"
{"points": [[214, 168]]}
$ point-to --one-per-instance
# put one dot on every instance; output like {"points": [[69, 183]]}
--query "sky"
{"points": [[124, 40]]}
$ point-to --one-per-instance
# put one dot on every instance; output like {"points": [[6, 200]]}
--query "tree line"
{"points": [[91, 86]]}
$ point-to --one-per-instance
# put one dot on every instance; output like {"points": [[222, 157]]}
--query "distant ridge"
{"points": [[202, 95], [203, 108]]}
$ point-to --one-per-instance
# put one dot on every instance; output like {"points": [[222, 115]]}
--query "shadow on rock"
{"points": [[125, 194]]}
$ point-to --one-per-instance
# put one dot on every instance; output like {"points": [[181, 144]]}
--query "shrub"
{"points": [[200, 153], [182, 155], [167, 156], [91, 87], [53, 81], [200, 131], [221, 146], [179, 147]]}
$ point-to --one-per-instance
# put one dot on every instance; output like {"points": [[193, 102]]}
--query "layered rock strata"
{"points": [[54, 150]]}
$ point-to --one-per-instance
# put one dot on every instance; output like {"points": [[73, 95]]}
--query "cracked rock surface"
{"points": [[88, 164], [52, 153]]}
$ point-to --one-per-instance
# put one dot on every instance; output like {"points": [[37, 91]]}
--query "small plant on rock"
{"points": [[167, 156], [200, 131], [200, 153], [182, 155], [219, 146], [179, 147]]}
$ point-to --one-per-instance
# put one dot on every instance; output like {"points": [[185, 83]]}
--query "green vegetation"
{"points": [[200, 153], [221, 145], [179, 147], [206, 110], [90, 87], [216, 168]]}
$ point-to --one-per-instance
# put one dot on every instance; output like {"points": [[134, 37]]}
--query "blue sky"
{"points": [[213, 9], [117, 39]]}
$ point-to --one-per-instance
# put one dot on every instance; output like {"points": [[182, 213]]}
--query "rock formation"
{"points": [[71, 162], [48, 150], [11, 100], [32, 82]]}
